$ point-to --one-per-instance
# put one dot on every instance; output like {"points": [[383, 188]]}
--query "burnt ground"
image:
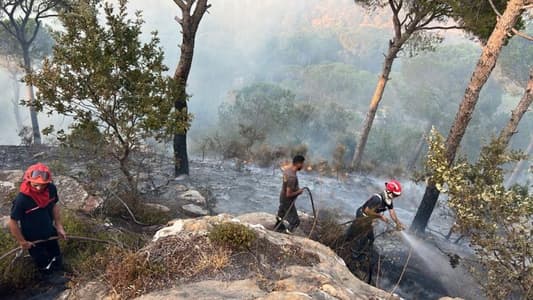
{"points": [[256, 190]]}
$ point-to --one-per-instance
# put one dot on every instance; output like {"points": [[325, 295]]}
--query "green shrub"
{"points": [[234, 235], [14, 274]]}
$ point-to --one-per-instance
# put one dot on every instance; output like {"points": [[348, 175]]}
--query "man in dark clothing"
{"points": [[290, 190], [39, 217], [361, 229], [360, 235]]}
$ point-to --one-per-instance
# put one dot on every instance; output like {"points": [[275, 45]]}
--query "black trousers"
{"points": [[360, 234], [286, 207], [360, 237], [43, 253]]}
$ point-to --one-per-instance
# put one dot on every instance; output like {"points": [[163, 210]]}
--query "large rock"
{"points": [[73, 196], [326, 278], [210, 289], [318, 273]]}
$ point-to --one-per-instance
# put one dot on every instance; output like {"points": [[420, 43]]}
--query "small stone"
{"points": [[38, 155], [181, 178], [194, 197], [157, 207], [180, 188], [91, 204], [3, 222], [195, 210]]}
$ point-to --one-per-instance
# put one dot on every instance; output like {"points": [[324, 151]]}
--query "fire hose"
{"points": [[72, 237], [315, 217]]}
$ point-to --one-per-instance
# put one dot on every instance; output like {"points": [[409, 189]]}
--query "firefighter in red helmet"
{"points": [[361, 232]]}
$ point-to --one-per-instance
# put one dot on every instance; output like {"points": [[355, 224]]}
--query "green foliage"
{"points": [[477, 16], [103, 74], [267, 118], [234, 235], [14, 274], [497, 219]]}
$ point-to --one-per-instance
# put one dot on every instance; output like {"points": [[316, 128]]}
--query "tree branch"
{"points": [[441, 27], [513, 30], [35, 31], [180, 4]]}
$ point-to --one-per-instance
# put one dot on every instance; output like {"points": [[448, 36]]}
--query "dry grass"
{"points": [[166, 262]]}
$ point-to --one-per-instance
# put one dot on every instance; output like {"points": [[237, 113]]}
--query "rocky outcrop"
{"points": [[316, 272]]}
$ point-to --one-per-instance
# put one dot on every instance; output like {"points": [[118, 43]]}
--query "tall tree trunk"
{"points": [[521, 165], [394, 48], [16, 100], [31, 98], [519, 111], [481, 73], [419, 146], [189, 22], [181, 75]]}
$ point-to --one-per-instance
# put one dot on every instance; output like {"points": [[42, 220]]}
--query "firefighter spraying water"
{"points": [[360, 235]]}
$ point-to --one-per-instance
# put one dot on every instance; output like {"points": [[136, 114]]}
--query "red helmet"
{"points": [[38, 173], [393, 187]]}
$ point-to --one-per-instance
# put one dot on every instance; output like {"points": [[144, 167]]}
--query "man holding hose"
{"points": [[39, 217], [361, 230], [290, 190]]}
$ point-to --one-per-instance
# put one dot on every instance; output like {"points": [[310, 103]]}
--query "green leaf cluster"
{"points": [[234, 235], [101, 73], [497, 219]]}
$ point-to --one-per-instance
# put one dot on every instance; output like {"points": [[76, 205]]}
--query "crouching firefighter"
{"points": [[360, 234], [290, 190], [39, 217]]}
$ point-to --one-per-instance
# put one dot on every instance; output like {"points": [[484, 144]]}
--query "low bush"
{"points": [[14, 273], [234, 235]]}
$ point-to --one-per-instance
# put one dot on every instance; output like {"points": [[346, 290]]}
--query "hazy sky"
{"points": [[229, 35], [231, 40]]}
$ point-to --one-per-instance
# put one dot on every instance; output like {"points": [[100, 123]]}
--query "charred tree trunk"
{"points": [[481, 73], [30, 95], [519, 111], [419, 146], [189, 22], [521, 165]]}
